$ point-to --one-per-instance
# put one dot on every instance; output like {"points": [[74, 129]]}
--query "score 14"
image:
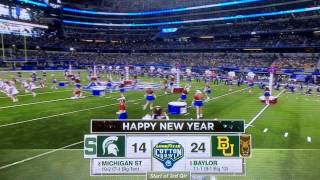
{"points": [[138, 147]]}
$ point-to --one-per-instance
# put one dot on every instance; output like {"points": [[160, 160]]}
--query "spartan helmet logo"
{"points": [[109, 147]]}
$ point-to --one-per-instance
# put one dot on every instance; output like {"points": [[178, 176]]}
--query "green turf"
{"points": [[273, 157]]}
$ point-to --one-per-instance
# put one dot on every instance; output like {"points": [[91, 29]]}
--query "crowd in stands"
{"points": [[223, 60], [281, 41]]}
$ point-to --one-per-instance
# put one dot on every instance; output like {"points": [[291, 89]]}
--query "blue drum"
{"points": [[63, 84], [177, 108], [98, 91]]}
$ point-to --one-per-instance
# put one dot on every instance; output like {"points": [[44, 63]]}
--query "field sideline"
{"points": [[50, 121]]}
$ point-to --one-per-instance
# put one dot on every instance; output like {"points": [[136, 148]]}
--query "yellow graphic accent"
{"points": [[225, 146]]}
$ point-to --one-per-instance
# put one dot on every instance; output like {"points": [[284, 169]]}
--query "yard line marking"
{"points": [[256, 117], [72, 112], [62, 114], [260, 112], [309, 139], [40, 102], [46, 153], [49, 152], [227, 94], [223, 95], [56, 115], [51, 92], [39, 155]]}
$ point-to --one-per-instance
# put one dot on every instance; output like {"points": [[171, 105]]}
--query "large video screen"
{"points": [[20, 28]]}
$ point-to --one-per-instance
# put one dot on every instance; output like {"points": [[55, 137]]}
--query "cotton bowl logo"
{"points": [[168, 152]]}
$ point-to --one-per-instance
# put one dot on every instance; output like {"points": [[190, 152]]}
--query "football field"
{"points": [[42, 137]]}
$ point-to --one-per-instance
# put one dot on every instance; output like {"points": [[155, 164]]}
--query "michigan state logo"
{"points": [[168, 152], [111, 146], [225, 146]]}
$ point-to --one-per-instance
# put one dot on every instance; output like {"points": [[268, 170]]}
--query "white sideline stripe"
{"points": [[40, 102], [62, 114], [260, 112], [222, 96], [72, 112], [256, 117], [39, 155], [51, 92], [226, 94], [46, 153], [54, 150], [56, 115]]}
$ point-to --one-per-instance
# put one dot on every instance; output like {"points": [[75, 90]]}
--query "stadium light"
{"points": [[206, 37], [169, 30], [247, 16], [160, 11]]}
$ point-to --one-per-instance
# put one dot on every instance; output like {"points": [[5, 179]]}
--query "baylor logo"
{"points": [[225, 146], [110, 146]]}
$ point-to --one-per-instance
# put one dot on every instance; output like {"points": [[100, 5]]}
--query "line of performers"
{"points": [[157, 112], [292, 87], [9, 88]]}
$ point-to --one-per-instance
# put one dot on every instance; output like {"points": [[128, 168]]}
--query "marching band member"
{"points": [[207, 91], [25, 86], [135, 81], [32, 87], [122, 89], [165, 85], [77, 93], [44, 75], [198, 103], [6, 87], [183, 95], [54, 84], [77, 81], [309, 91], [250, 85], [291, 87], [109, 85], [277, 86], [41, 83], [12, 91], [229, 82], [65, 74], [1, 85], [18, 77], [150, 97], [34, 77], [301, 88], [122, 113], [158, 113], [267, 95], [171, 83]]}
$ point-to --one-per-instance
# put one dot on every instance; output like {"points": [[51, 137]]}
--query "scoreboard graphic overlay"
{"points": [[137, 147]]}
